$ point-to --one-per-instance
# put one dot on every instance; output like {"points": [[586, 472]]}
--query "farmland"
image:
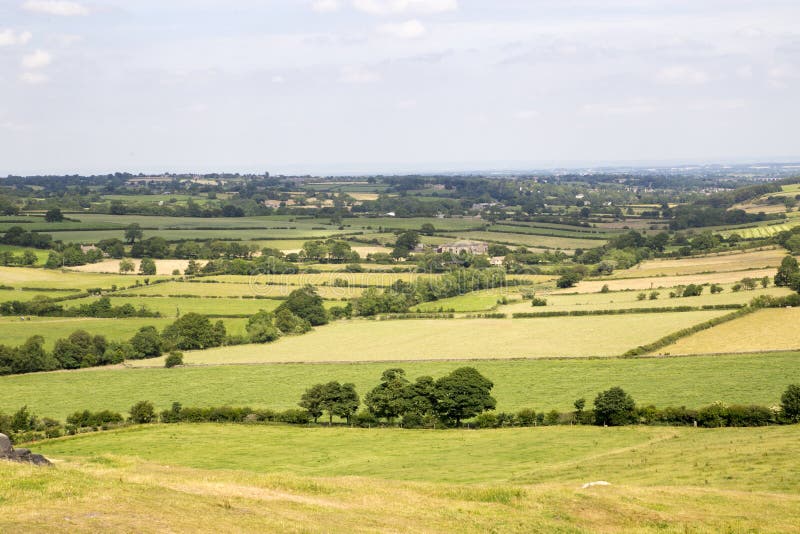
{"points": [[360, 340], [361, 480], [539, 384]]}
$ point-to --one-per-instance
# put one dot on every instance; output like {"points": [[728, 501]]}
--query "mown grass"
{"points": [[539, 384], [432, 339], [14, 331], [770, 329], [255, 288], [171, 307]]}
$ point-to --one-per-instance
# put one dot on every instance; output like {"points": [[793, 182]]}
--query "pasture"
{"points": [[460, 339], [14, 332], [769, 329], [59, 279], [255, 287], [660, 282], [528, 240], [735, 261], [539, 384], [351, 480], [163, 267]]}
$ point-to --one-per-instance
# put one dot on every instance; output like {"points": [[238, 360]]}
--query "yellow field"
{"points": [[639, 284], [770, 329], [738, 261], [256, 288], [47, 278], [363, 340], [164, 267]]}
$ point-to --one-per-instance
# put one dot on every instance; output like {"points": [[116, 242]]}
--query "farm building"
{"points": [[472, 247]]}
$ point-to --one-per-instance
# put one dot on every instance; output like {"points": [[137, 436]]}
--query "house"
{"points": [[470, 247], [274, 204], [497, 261]]}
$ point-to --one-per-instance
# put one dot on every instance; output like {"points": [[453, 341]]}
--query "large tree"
{"points": [[787, 272], [133, 232], [194, 331], [462, 394], [306, 304], [614, 407], [390, 398]]}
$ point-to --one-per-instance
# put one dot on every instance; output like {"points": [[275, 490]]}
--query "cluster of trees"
{"points": [[401, 296], [16, 235], [461, 395], [788, 274], [25, 258], [45, 307]]}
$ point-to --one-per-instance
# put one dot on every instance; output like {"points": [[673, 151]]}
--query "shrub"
{"points": [[174, 359], [526, 417], [142, 412], [537, 301], [790, 403]]}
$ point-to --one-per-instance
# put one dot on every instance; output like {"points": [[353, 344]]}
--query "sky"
{"points": [[340, 86]]}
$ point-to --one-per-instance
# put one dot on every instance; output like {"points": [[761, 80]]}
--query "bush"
{"points": [[174, 359], [142, 412], [790, 403], [536, 301], [486, 420]]}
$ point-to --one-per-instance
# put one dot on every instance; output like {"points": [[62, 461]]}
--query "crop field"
{"points": [[770, 329], [13, 331], [555, 231], [18, 277], [430, 339], [170, 307], [255, 289], [564, 243], [738, 261], [414, 223], [16, 294], [656, 282], [163, 267], [319, 279], [539, 384], [764, 231], [620, 300]]}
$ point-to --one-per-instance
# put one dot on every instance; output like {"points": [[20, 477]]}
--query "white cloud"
{"points": [[407, 104], [682, 75], [411, 29], [527, 114], [745, 71], [636, 106], [36, 60], [358, 74], [33, 78], [63, 8], [278, 79], [393, 7], [325, 6], [11, 38]]}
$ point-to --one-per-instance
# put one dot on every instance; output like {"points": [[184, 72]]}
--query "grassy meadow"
{"points": [[539, 384], [351, 480]]}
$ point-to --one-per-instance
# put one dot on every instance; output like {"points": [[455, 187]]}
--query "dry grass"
{"points": [[362, 340], [704, 264], [770, 329], [164, 267], [656, 282]]}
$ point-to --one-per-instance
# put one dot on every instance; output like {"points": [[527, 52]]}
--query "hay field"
{"points": [[383, 279], [539, 384], [363, 340], [656, 282], [46, 278], [170, 306], [14, 332], [256, 288], [172, 478], [527, 240], [163, 267], [738, 261], [770, 329]]}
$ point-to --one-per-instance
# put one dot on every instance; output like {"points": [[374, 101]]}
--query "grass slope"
{"points": [[540, 384]]}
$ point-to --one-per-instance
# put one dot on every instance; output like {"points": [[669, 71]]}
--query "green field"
{"points": [[169, 307], [538, 384], [351, 480], [14, 332], [18, 277], [474, 301], [565, 243], [41, 255], [238, 289]]}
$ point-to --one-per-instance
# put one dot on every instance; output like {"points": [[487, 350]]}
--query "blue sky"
{"points": [[332, 86]]}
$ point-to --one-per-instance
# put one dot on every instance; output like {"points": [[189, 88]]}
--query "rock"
{"points": [[598, 483], [7, 452], [5, 446]]}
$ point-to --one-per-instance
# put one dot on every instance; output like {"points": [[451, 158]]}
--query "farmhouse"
{"points": [[471, 247]]}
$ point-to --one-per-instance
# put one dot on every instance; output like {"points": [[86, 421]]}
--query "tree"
{"points": [[194, 331], [614, 407], [147, 342], [405, 243], [462, 394], [28, 258], [289, 323], [312, 401], [346, 402], [390, 398], [142, 412], [428, 229], [80, 349], [260, 328], [306, 304], [54, 215], [790, 403], [147, 267], [788, 269], [126, 266], [133, 232], [173, 359], [579, 405]]}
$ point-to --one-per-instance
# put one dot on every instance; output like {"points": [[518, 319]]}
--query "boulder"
{"points": [[7, 452]]}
